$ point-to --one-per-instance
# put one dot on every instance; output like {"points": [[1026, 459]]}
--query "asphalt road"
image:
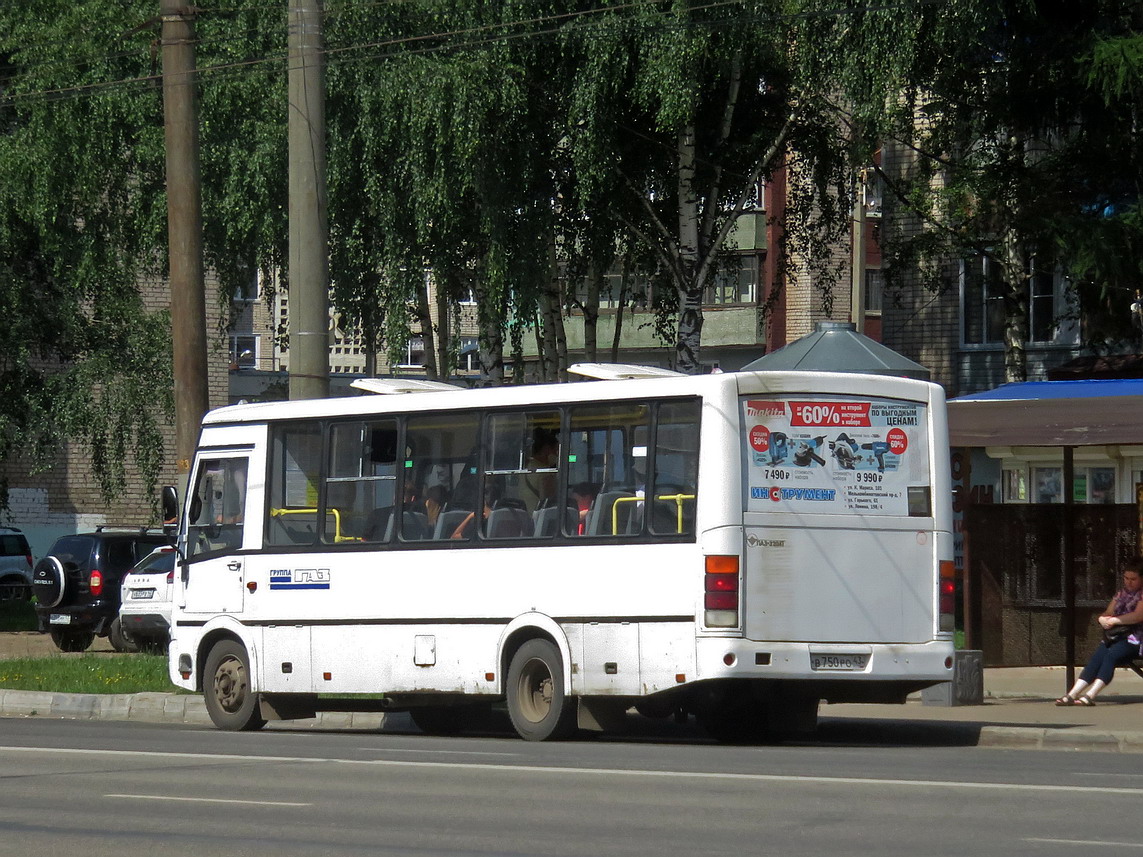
{"points": [[107, 788]]}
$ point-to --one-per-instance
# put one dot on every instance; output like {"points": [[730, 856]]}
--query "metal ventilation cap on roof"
{"points": [[836, 346]]}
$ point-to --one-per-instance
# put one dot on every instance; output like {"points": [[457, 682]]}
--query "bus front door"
{"points": [[213, 577]]}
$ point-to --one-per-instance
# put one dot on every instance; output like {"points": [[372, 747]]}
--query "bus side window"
{"points": [[607, 465], [360, 481], [295, 465], [674, 468], [440, 470]]}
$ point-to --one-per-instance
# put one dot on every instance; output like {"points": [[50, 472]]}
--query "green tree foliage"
{"points": [[1024, 122], [81, 217]]}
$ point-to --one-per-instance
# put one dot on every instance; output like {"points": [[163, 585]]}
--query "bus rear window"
{"points": [[836, 455]]}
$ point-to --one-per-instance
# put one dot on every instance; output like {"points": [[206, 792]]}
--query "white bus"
{"points": [[734, 546]]}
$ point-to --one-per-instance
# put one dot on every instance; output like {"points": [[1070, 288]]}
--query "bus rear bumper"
{"points": [[915, 664]]}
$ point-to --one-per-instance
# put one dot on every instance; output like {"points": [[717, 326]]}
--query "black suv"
{"points": [[77, 584]]}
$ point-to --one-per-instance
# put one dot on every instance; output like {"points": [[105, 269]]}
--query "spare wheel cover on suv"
{"points": [[48, 581]]}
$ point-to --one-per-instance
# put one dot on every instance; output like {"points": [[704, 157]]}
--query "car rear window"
{"points": [[13, 546], [73, 549], [160, 562]]}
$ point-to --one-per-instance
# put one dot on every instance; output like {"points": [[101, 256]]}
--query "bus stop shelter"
{"points": [[1060, 414]]}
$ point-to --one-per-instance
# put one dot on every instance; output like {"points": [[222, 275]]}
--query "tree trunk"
{"points": [[1015, 309], [446, 287], [689, 335], [591, 312], [490, 321], [425, 320], [620, 302]]}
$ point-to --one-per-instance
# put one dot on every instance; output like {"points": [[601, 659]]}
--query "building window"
{"points": [[244, 351], [734, 282], [874, 289], [468, 355], [1015, 486], [985, 303], [414, 356]]}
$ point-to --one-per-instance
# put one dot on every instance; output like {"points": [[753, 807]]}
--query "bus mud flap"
{"points": [[275, 706], [601, 714]]}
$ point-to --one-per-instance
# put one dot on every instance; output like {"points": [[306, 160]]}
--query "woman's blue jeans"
{"points": [[1106, 658]]}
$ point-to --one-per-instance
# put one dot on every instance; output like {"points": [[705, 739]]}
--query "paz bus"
{"points": [[734, 547]]}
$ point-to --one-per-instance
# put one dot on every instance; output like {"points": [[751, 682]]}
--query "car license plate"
{"points": [[59, 619], [142, 593], [838, 663]]}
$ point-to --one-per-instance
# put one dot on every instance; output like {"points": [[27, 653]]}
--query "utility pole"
{"points": [[184, 230], [309, 229]]}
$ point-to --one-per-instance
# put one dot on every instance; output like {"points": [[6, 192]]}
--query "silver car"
{"points": [[15, 565]]}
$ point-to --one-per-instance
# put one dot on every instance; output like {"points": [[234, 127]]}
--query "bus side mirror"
{"points": [[170, 508]]}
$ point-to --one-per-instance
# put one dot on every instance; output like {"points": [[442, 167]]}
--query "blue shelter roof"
{"points": [[1050, 413]]}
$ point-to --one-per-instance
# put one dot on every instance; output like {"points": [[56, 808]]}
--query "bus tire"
{"points": [[537, 705], [230, 701]]}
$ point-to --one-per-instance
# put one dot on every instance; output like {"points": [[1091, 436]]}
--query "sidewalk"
{"points": [[1017, 710]]}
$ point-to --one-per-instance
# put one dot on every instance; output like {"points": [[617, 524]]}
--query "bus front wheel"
{"points": [[539, 709], [230, 701]]}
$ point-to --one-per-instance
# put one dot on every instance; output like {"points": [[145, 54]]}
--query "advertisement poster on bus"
{"points": [[834, 455]]}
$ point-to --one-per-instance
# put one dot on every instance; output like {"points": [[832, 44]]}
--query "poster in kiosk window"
{"points": [[836, 455]]}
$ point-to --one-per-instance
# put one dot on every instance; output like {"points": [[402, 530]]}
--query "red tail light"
{"points": [[171, 576], [946, 591], [95, 582], [721, 587], [28, 557]]}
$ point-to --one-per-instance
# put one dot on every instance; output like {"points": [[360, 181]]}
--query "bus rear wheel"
{"points": [[539, 709], [230, 701]]}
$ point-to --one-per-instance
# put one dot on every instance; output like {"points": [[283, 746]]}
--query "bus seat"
{"points": [[599, 517], [508, 523], [448, 521], [377, 525], [545, 521], [414, 527]]}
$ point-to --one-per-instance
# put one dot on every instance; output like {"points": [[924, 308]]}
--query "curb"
{"points": [[170, 708], [190, 709]]}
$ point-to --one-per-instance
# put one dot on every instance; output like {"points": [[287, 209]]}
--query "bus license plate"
{"points": [[59, 619], [838, 663]]}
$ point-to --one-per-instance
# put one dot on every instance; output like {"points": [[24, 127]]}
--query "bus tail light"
{"points": [[721, 592], [947, 595], [95, 582]]}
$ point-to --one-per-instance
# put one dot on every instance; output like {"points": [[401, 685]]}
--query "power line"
{"points": [[250, 64]]}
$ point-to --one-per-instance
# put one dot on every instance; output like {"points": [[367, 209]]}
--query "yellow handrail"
{"points": [[337, 536], [677, 499]]}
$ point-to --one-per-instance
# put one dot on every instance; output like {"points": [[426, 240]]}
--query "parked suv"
{"points": [[77, 585], [145, 601], [15, 565]]}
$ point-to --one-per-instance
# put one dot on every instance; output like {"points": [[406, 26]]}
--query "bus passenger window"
{"points": [[607, 469], [440, 471], [674, 465], [295, 464], [360, 481]]}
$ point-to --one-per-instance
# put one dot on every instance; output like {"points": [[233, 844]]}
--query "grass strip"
{"points": [[88, 674], [17, 616]]}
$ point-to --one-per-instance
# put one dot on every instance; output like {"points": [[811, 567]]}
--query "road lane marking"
{"points": [[448, 752], [210, 800], [1086, 843], [602, 772]]}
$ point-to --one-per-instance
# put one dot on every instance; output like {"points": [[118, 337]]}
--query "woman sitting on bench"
{"points": [[1122, 638]]}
